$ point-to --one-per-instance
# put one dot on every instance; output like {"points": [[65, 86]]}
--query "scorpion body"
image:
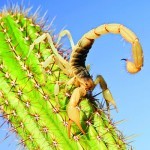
{"points": [[81, 74], [78, 59]]}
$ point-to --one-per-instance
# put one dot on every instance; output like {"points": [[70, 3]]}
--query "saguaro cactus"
{"points": [[27, 99]]}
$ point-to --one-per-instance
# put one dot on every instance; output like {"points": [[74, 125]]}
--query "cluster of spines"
{"points": [[27, 98]]}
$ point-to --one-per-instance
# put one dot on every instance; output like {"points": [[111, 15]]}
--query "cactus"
{"points": [[27, 99]]}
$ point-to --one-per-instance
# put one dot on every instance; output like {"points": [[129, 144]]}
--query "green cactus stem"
{"points": [[27, 99]]}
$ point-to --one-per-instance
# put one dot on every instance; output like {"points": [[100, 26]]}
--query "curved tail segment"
{"points": [[81, 49]]}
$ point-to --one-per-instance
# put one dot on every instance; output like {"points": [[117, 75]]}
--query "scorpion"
{"points": [[77, 71]]}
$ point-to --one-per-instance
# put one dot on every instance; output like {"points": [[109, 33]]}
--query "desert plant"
{"points": [[27, 99]]}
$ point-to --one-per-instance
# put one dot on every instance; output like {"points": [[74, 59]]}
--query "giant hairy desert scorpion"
{"points": [[76, 68]]}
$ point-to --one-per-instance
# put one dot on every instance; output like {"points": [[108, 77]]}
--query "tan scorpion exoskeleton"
{"points": [[77, 70]]}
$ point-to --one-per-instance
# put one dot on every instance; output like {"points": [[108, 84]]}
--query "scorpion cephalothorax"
{"points": [[77, 70]]}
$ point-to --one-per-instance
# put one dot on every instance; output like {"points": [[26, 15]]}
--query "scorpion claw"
{"points": [[74, 116], [105, 91], [109, 99], [72, 110]]}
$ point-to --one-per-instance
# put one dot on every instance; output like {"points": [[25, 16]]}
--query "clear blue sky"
{"points": [[131, 92]]}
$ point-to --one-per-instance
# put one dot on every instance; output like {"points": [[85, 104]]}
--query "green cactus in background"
{"points": [[27, 99]]}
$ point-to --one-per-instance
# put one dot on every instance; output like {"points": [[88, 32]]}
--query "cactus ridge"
{"points": [[27, 99]]}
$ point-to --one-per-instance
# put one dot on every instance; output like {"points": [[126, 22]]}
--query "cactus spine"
{"points": [[27, 99]]}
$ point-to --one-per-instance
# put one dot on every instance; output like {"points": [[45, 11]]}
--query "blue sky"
{"points": [[131, 92]]}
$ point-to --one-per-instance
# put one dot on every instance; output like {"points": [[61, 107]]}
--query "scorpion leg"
{"points": [[53, 58], [50, 41], [56, 91], [62, 34], [57, 88], [72, 111], [36, 41], [105, 91], [59, 60], [70, 82]]}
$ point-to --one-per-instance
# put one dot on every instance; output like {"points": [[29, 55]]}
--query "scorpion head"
{"points": [[87, 83]]}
